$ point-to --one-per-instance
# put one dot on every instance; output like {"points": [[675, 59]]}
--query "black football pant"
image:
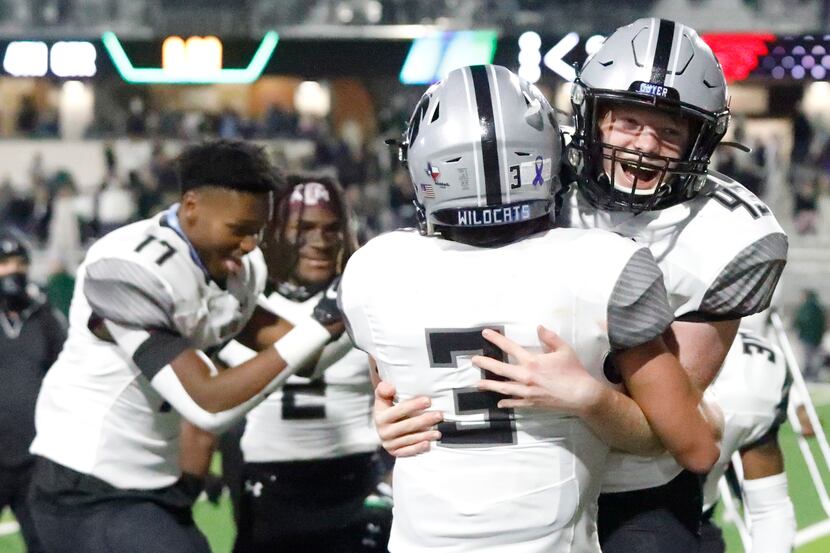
{"points": [[656, 520], [14, 488], [117, 526], [305, 506], [711, 538]]}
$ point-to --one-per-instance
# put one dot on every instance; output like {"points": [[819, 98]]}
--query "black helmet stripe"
{"points": [[662, 52], [489, 149]]}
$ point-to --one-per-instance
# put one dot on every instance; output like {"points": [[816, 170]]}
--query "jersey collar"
{"points": [[170, 219]]}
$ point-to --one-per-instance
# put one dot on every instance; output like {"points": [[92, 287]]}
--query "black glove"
{"points": [[327, 312]]}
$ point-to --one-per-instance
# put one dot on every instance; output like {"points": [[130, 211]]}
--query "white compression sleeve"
{"points": [[171, 389], [296, 348], [302, 343], [771, 514]]}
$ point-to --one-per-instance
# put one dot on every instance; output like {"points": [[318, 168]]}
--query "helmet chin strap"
{"points": [[421, 216]]}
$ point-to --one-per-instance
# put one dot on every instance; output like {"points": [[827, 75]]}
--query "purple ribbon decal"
{"points": [[538, 180]]}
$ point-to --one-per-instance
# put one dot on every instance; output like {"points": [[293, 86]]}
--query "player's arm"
{"points": [[771, 513], [638, 313], [614, 417], [197, 448], [405, 428], [638, 316], [265, 326], [240, 349], [263, 329], [701, 347], [766, 499], [556, 380], [670, 403], [246, 384], [185, 377], [134, 309]]}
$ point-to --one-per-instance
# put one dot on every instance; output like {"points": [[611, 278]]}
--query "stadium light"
{"points": [[73, 59], [26, 58]]}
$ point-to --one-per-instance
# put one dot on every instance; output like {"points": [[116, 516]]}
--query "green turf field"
{"points": [[215, 521]]}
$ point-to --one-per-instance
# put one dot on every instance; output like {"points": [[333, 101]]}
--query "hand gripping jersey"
{"points": [[721, 255], [499, 480], [752, 389], [329, 416], [97, 412]]}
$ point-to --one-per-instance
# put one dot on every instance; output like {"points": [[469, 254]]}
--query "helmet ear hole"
{"points": [[435, 113]]}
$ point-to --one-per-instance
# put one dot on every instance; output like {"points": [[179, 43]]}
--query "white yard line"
{"points": [[8, 528]]}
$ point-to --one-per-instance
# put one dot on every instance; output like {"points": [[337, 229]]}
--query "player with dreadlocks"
{"points": [[300, 262], [309, 449]]}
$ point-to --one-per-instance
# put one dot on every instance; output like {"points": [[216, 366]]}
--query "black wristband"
{"points": [[192, 485]]}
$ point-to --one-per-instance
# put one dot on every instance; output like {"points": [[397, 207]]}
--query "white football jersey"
{"points": [[752, 389], [330, 416], [97, 412], [721, 255], [499, 479]]}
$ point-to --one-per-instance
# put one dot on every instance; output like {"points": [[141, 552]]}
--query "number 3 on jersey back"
{"points": [[498, 428]]}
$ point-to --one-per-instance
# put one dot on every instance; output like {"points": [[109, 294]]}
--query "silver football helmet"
{"points": [[483, 149], [662, 65]]}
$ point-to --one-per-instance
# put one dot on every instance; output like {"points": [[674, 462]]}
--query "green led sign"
{"points": [[189, 73]]}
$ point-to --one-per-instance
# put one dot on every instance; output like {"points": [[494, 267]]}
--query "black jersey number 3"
{"points": [[498, 427]]}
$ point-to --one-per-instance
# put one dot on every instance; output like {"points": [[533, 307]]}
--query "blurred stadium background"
{"points": [[98, 96]]}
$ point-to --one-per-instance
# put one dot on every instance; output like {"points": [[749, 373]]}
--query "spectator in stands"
{"points": [[229, 123], [38, 226], [59, 286], [810, 324], [149, 199], [18, 210], [805, 202], [115, 206], [110, 160], [279, 122], [27, 117], [6, 194], [136, 125], [31, 335], [802, 137], [163, 172], [64, 242]]}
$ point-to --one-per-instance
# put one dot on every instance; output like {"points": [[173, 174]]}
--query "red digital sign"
{"points": [[738, 53]]}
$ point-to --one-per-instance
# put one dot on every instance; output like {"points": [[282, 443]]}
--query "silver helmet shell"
{"points": [[658, 63], [483, 149]]}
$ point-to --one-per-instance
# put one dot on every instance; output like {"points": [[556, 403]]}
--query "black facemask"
{"points": [[13, 291]]}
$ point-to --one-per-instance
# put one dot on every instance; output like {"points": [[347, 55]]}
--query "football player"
{"points": [[309, 449], [151, 301], [645, 131], [752, 389], [650, 107], [483, 153]]}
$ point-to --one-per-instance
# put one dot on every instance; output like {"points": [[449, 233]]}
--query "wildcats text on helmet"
{"points": [[494, 215]]}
